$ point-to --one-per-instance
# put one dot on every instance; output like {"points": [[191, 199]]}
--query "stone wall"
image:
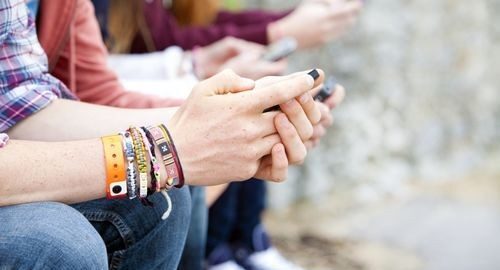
{"points": [[423, 98]]}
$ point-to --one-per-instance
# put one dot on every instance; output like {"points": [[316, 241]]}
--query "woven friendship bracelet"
{"points": [[155, 166], [140, 156]]}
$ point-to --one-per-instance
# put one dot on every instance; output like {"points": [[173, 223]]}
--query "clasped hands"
{"points": [[222, 133]]}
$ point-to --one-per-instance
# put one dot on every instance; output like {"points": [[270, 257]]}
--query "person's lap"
{"points": [[236, 213], [125, 234]]}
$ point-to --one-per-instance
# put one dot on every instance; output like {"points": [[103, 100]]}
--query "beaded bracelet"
{"points": [[140, 157], [155, 166], [180, 173], [128, 145]]}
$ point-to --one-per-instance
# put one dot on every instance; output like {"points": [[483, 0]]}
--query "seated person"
{"points": [[37, 108]]}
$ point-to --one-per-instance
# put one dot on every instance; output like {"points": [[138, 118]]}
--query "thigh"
{"points": [[136, 237], [48, 236], [222, 217], [194, 250]]}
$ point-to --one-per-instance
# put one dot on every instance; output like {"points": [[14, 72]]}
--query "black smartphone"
{"points": [[327, 90], [313, 73], [280, 49]]}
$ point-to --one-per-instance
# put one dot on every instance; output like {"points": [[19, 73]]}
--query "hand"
{"points": [[304, 113], [316, 22], [319, 130], [241, 56], [250, 65], [221, 133]]}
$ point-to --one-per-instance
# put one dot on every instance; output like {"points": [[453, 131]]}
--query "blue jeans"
{"points": [[194, 251], [236, 213], [95, 235]]}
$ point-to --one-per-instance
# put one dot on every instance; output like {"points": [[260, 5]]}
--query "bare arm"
{"points": [[66, 120], [41, 171]]}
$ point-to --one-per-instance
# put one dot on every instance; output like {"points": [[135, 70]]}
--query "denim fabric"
{"points": [[121, 234], [194, 250], [48, 236], [235, 215]]}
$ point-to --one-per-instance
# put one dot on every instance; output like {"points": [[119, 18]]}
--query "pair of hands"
{"points": [[316, 22], [241, 56], [222, 134]]}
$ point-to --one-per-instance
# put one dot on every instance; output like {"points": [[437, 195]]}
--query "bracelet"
{"points": [[180, 173], [116, 182], [167, 157], [155, 166], [131, 173], [141, 162]]}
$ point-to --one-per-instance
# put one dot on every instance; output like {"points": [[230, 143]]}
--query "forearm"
{"points": [[67, 172], [65, 120]]}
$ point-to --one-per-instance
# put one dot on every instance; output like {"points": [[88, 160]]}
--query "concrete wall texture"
{"points": [[423, 98]]}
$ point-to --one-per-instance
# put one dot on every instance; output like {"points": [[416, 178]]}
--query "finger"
{"points": [[277, 68], [324, 109], [226, 82], [295, 149], [266, 123], [337, 97], [328, 121], [309, 145], [279, 166], [319, 132], [298, 118], [316, 90], [270, 80], [310, 108], [264, 145], [280, 92]]}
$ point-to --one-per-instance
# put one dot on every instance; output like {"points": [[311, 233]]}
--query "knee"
{"points": [[52, 235]]}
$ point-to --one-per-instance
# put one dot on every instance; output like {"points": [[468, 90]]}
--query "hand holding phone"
{"points": [[280, 49], [327, 90]]}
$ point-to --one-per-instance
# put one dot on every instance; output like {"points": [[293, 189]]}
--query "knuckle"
{"points": [[307, 132]]}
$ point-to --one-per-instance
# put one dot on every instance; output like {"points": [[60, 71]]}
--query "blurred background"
{"points": [[409, 177]]}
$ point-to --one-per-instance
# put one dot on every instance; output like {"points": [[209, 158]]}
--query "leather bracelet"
{"points": [[116, 181], [180, 173], [167, 157]]}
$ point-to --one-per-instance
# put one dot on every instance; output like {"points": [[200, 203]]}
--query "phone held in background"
{"points": [[280, 49], [327, 90]]}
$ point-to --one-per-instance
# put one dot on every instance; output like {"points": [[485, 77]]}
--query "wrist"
{"points": [[199, 62], [274, 32]]}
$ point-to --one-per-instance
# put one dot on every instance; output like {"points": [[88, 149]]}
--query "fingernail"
{"points": [[314, 74]]}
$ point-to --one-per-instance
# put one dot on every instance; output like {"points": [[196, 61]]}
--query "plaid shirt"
{"points": [[25, 85]]}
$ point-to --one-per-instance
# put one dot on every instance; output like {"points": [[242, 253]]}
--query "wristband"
{"points": [[166, 154], [131, 173], [180, 173], [155, 166], [116, 182]]}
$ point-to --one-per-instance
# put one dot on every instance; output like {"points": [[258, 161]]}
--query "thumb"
{"points": [[226, 82]]}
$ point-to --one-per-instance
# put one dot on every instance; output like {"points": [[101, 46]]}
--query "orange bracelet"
{"points": [[116, 179]]}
